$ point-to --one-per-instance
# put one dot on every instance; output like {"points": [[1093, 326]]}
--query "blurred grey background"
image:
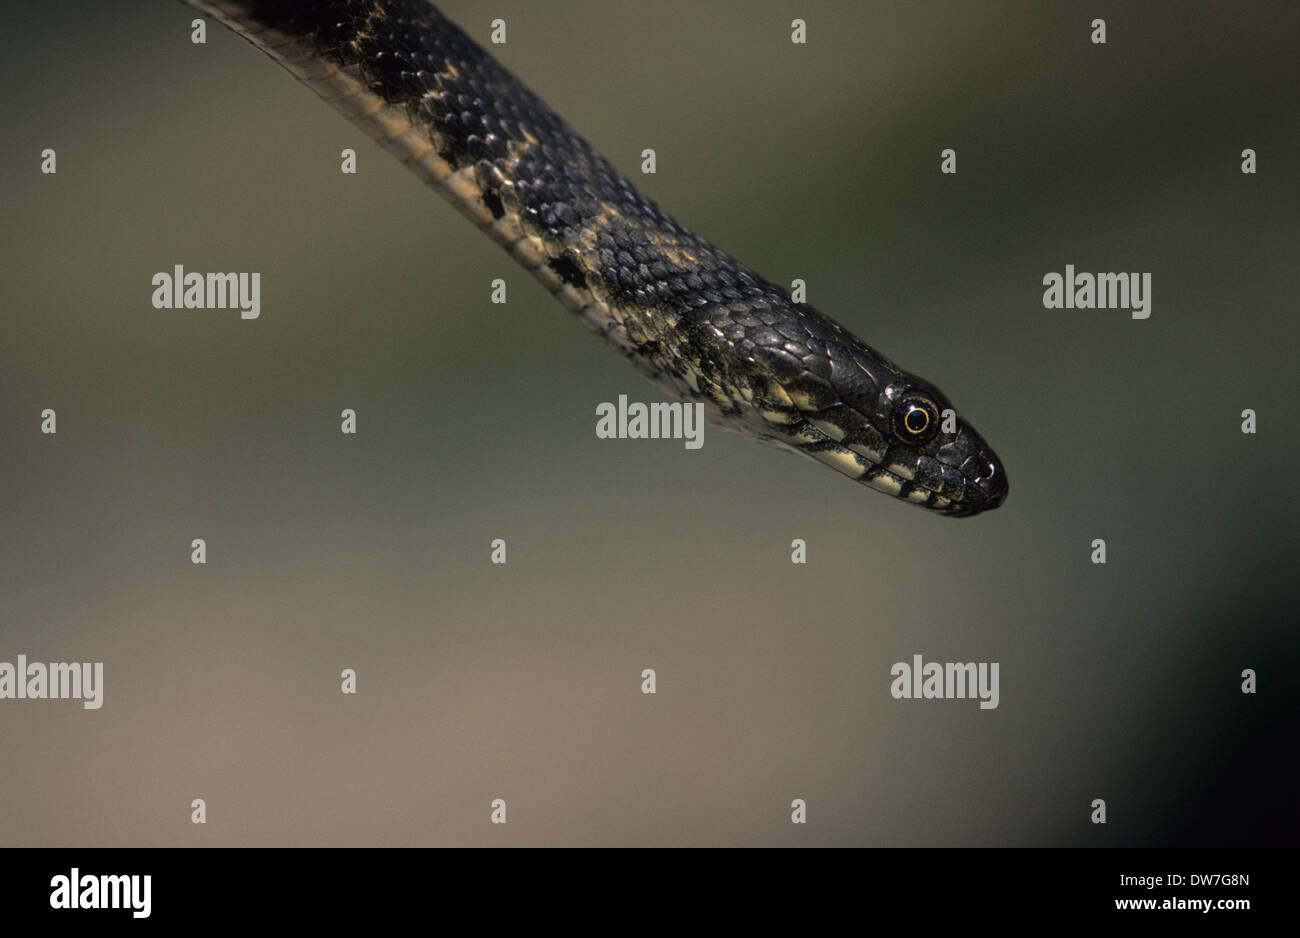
{"points": [[477, 421]]}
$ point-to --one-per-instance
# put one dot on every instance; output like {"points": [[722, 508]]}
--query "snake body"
{"points": [[698, 323]]}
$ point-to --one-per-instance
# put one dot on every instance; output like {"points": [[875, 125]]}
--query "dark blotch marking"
{"points": [[493, 202], [567, 269]]}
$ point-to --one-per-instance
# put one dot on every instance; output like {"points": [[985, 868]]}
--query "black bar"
{"points": [[248, 886]]}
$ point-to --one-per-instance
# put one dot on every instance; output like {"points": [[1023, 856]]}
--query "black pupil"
{"points": [[916, 420]]}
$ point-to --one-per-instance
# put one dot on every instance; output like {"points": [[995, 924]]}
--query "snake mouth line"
{"points": [[810, 440], [974, 498], [892, 483]]}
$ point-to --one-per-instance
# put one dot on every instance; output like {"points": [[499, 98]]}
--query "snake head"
{"points": [[832, 398], [943, 461]]}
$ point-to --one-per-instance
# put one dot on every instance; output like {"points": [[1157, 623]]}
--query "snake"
{"points": [[702, 326]]}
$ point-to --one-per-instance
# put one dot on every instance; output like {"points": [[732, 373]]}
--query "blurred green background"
{"points": [[477, 421]]}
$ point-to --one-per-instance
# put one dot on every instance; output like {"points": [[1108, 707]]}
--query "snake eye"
{"points": [[915, 421]]}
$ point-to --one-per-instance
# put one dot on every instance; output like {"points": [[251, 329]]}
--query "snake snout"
{"points": [[987, 477], [983, 481]]}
